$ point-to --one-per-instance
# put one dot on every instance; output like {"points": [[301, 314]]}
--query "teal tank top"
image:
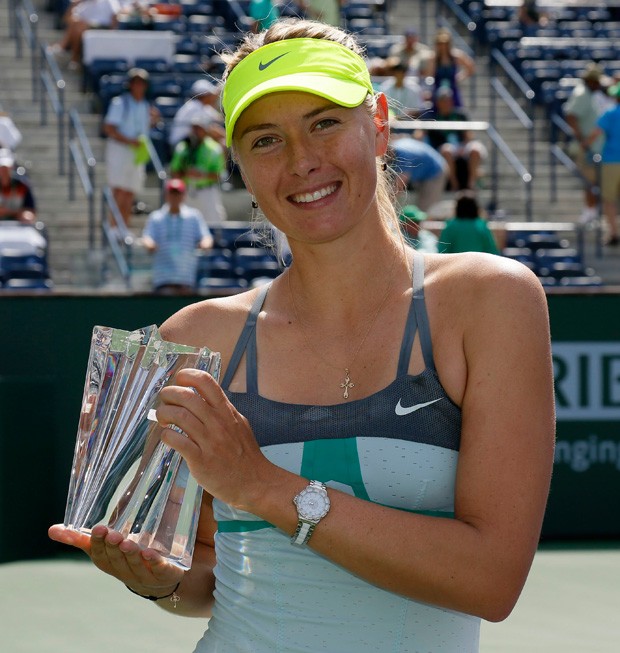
{"points": [[398, 448]]}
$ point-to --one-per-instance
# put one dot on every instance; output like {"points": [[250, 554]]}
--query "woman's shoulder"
{"points": [[480, 275], [215, 323]]}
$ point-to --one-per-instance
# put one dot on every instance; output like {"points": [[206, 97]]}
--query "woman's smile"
{"points": [[314, 196]]}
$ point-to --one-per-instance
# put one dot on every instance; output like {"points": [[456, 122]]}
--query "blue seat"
{"points": [[187, 63], [545, 259], [215, 264], [27, 284], [22, 266], [581, 282], [168, 106], [223, 285], [97, 68], [152, 65]]}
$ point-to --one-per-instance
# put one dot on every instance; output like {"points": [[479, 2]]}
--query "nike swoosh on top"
{"points": [[402, 410], [262, 66]]}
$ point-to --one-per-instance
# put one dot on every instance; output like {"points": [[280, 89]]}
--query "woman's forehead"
{"points": [[284, 105]]}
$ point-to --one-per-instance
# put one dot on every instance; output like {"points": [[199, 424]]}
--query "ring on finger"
{"points": [[176, 429]]}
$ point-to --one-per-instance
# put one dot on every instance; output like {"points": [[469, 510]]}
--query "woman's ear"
{"points": [[382, 124]]}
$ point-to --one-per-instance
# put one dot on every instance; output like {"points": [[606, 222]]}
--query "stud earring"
{"points": [[384, 166], [254, 203]]}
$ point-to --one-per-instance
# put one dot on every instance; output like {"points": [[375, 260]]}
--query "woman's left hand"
{"points": [[219, 445]]}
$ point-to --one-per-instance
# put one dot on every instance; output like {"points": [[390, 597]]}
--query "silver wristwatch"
{"points": [[312, 505]]}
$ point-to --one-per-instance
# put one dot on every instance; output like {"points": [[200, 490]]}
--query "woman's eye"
{"points": [[263, 141], [325, 123]]}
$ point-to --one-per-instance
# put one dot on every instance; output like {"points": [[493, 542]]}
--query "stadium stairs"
{"points": [[74, 264]]}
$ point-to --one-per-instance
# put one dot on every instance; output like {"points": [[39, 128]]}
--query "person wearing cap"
{"points": [[376, 456], [264, 13], [412, 220], [467, 231], [608, 126], [587, 102], [173, 234], [201, 161], [420, 168], [463, 153], [127, 125], [204, 98], [16, 198]]}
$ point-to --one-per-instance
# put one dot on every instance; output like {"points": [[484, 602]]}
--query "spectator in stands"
{"points": [[421, 168], [463, 153], [403, 91], [79, 17], [325, 11], [448, 66], [264, 13], [16, 198], [10, 136], [173, 233], [205, 99], [467, 231], [412, 225], [200, 161], [608, 125], [587, 102], [529, 18], [411, 51], [127, 124]]}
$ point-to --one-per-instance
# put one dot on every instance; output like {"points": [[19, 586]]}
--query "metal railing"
{"points": [[53, 90], [82, 161], [526, 122], [116, 237], [24, 25]]}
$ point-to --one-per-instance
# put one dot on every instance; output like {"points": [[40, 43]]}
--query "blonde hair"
{"points": [[293, 28]]}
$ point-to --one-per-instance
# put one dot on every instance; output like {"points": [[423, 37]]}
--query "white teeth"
{"points": [[313, 197]]}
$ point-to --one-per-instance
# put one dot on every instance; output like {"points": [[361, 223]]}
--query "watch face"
{"points": [[312, 504]]}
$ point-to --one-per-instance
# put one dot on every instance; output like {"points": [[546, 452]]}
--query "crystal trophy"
{"points": [[123, 476]]}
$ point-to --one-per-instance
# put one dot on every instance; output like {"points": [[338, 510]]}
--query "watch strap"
{"points": [[303, 532]]}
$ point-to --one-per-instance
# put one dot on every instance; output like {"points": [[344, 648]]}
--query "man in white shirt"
{"points": [[205, 97]]}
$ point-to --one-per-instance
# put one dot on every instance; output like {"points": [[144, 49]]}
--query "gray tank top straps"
{"points": [[417, 319]]}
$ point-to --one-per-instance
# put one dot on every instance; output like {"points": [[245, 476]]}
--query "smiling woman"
{"points": [[376, 460]]}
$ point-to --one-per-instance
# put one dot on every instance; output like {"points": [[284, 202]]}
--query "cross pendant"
{"points": [[346, 384]]}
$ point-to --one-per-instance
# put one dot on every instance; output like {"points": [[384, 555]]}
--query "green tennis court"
{"points": [[570, 605]]}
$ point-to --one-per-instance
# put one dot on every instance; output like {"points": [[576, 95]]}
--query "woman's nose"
{"points": [[303, 157]]}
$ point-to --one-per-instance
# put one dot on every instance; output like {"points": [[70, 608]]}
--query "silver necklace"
{"points": [[346, 383]]}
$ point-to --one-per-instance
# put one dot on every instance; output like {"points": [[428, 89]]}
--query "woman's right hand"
{"points": [[143, 570]]}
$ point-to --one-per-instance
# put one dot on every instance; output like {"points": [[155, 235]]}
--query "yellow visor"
{"points": [[316, 66]]}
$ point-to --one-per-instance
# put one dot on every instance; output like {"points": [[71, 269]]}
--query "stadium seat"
{"points": [[545, 259], [27, 284], [227, 285], [152, 65], [168, 106], [97, 68], [581, 282], [215, 264], [187, 63]]}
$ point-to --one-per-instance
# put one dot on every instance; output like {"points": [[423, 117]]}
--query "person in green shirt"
{"points": [[264, 13], [467, 231], [200, 161]]}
